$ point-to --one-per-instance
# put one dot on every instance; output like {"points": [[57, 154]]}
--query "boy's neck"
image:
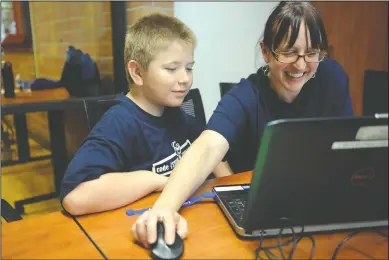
{"points": [[138, 98]]}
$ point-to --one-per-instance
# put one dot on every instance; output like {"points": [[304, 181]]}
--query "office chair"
{"points": [[8, 212], [193, 105], [375, 92], [95, 109], [225, 87]]}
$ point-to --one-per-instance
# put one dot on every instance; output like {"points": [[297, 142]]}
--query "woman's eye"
{"points": [[312, 54], [189, 69], [289, 54]]}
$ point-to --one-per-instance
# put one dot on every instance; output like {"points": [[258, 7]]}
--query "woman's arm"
{"points": [[193, 168], [198, 162]]}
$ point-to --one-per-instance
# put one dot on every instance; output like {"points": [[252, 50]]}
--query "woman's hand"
{"points": [[145, 228]]}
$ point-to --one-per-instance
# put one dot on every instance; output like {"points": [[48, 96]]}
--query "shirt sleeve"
{"points": [[102, 152], [233, 111], [344, 107], [195, 128], [338, 81]]}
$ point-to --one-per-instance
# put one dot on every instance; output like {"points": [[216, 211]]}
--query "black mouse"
{"points": [[161, 251]]}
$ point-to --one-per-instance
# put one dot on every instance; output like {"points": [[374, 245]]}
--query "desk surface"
{"points": [[36, 96], [49, 236], [45, 100], [210, 235]]}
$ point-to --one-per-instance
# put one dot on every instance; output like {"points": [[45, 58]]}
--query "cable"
{"points": [[351, 235], [382, 234], [298, 240], [295, 240], [347, 238], [280, 242], [266, 249]]}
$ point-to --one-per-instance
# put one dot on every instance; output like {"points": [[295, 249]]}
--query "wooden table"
{"points": [[54, 102], [36, 101], [22, 100], [36, 96], [51, 236], [211, 237]]}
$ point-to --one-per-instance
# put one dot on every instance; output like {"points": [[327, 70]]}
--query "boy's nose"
{"points": [[184, 77]]}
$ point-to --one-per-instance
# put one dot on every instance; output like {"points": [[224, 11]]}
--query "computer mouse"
{"points": [[161, 251]]}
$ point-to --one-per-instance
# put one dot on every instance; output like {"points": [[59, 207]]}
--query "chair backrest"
{"points": [[8, 212], [225, 87], [375, 92], [95, 109], [193, 105]]}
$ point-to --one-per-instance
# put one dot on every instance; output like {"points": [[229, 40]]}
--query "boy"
{"points": [[137, 143]]}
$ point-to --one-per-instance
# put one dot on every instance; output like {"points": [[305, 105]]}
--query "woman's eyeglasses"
{"points": [[291, 57]]}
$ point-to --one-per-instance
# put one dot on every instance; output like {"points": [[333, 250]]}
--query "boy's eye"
{"points": [[189, 69], [171, 69]]}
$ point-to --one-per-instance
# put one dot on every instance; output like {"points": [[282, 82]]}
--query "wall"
{"points": [[358, 34], [136, 10], [56, 25], [86, 25], [227, 34], [22, 64]]}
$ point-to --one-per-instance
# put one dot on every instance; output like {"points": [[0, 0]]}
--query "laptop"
{"points": [[321, 174]]}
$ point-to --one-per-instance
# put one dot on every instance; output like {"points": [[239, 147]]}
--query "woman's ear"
{"points": [[265, 52], [135, 72]]}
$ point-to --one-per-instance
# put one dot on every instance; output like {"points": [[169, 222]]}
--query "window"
{"points": [[15, 25]]}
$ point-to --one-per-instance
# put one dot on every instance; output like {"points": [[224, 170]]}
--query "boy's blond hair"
{"points": [[151, 34]]}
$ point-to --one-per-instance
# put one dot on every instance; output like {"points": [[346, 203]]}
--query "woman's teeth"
{"points": [[295, 75]]}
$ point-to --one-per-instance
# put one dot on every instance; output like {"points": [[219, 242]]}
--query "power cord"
{"points": [[351, 235], [295, 240], [298, 240]]}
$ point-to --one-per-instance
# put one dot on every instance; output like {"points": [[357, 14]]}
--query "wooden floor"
{"points": [[25, 180]]}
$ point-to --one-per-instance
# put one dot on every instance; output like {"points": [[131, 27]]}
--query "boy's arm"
{"points": [[112, 190], [96, 179]]}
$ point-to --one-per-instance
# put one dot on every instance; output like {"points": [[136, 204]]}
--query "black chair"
{"points": [[375, 92], [8, 212], [95, 109], [225, 87], [193, 105]]}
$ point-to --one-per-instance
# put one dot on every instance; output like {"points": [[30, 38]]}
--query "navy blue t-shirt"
{"points": [[244, 111], [128, 139]]}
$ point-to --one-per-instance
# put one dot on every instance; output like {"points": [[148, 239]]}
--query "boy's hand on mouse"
{"points": [[145, 228]]}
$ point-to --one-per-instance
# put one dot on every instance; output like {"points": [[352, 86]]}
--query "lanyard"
{"points": [[131, 212]]}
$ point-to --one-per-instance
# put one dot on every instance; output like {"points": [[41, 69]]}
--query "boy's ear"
{"points": [[135, 72], [265, 52]]}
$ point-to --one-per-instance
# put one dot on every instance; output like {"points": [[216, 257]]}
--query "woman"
{"points": [[297, 81]]}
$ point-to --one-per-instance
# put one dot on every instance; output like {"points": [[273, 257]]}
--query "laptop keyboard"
{"points": [[236, 204]]}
